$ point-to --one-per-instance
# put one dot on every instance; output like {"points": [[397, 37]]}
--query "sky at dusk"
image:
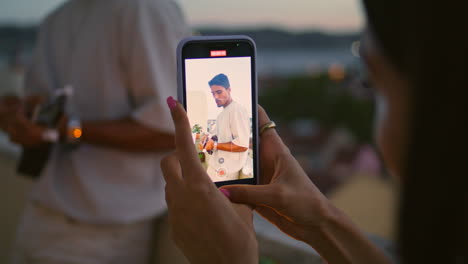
{"points": [[297, 15]]}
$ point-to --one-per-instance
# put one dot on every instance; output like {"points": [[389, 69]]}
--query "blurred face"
{"points": [[221, 95], [391, 120]]}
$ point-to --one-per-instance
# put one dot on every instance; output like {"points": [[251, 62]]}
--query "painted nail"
{"points": [[171, 102], [226, 192]]}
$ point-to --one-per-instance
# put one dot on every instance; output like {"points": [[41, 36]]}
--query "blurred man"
{"points": [[96, 203], [231, 144]]}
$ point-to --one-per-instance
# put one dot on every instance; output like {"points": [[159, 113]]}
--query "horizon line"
{"points": [[204, 26]]}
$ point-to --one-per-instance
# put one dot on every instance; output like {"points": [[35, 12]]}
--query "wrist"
{"points": [[70, 130], [339, 240], [74, 130], [327, 237], [330, 217], [247, 254]]}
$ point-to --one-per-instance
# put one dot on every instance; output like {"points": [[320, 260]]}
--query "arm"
{"points": [[126, 134], [338, 240], [231, 147]]}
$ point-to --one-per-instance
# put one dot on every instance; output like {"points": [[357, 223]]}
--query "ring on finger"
{"points": [[267, 126]]}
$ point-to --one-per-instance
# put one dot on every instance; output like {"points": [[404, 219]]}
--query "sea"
{"points": [[293, 61], [303, 61]]}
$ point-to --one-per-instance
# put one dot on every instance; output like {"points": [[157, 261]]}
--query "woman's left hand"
{"points": [[205, 225]]}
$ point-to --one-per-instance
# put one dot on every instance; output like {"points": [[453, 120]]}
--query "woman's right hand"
{"points": [[287, 198], [290, 200]]}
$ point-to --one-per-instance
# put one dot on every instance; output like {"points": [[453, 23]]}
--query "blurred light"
{"points": [[76, 133], [355, 46], [336, 72], [305, 128]]}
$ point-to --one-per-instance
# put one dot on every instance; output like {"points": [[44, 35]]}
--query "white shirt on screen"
{"points": [[232, 125]]}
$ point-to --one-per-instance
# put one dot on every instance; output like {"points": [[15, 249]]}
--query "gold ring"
{"points": [[266, 126]]}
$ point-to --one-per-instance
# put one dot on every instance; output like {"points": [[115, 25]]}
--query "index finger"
{"points": [[185, 149]]}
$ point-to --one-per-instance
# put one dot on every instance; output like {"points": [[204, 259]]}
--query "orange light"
{"points": [[77, 133], [336, 72]]}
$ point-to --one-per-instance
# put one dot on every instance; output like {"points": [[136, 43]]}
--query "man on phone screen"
{"points": [[231, 143]]}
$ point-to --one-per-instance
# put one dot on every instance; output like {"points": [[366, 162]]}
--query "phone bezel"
{"points": [[203, 44]]}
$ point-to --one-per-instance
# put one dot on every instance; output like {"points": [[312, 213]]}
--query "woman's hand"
{"points": [[288, 197], [293, 203], [206, 226]]}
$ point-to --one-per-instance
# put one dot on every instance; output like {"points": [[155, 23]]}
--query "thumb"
{"points": [[264, 195]]}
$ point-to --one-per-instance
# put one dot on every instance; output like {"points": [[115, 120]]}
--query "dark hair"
{"points": [[425, 41], [221, 80]]}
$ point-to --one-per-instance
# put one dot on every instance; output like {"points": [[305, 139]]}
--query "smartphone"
{"points": [[217, 85]]}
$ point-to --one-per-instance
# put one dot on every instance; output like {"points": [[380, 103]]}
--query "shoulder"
{"points": [[238, 108], [163, 13], [55, 14], [153, 7]]}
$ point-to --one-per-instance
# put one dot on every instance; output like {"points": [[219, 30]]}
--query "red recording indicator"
{"points": [[217, 53]]}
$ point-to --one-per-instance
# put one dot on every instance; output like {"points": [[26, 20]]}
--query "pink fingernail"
{"points": [[171, 102], [226, 193]]}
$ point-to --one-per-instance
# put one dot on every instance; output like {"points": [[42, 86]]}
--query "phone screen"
{"points": [[220, 99]]}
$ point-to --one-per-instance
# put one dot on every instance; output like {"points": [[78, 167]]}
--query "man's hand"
{"points": [[204, 138], [209, 145], [31, 102], [9, 106], [24, 132], [199, 147]]}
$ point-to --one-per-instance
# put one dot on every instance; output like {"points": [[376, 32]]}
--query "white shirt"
{"points": [[120, 57], [232, 125]]}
